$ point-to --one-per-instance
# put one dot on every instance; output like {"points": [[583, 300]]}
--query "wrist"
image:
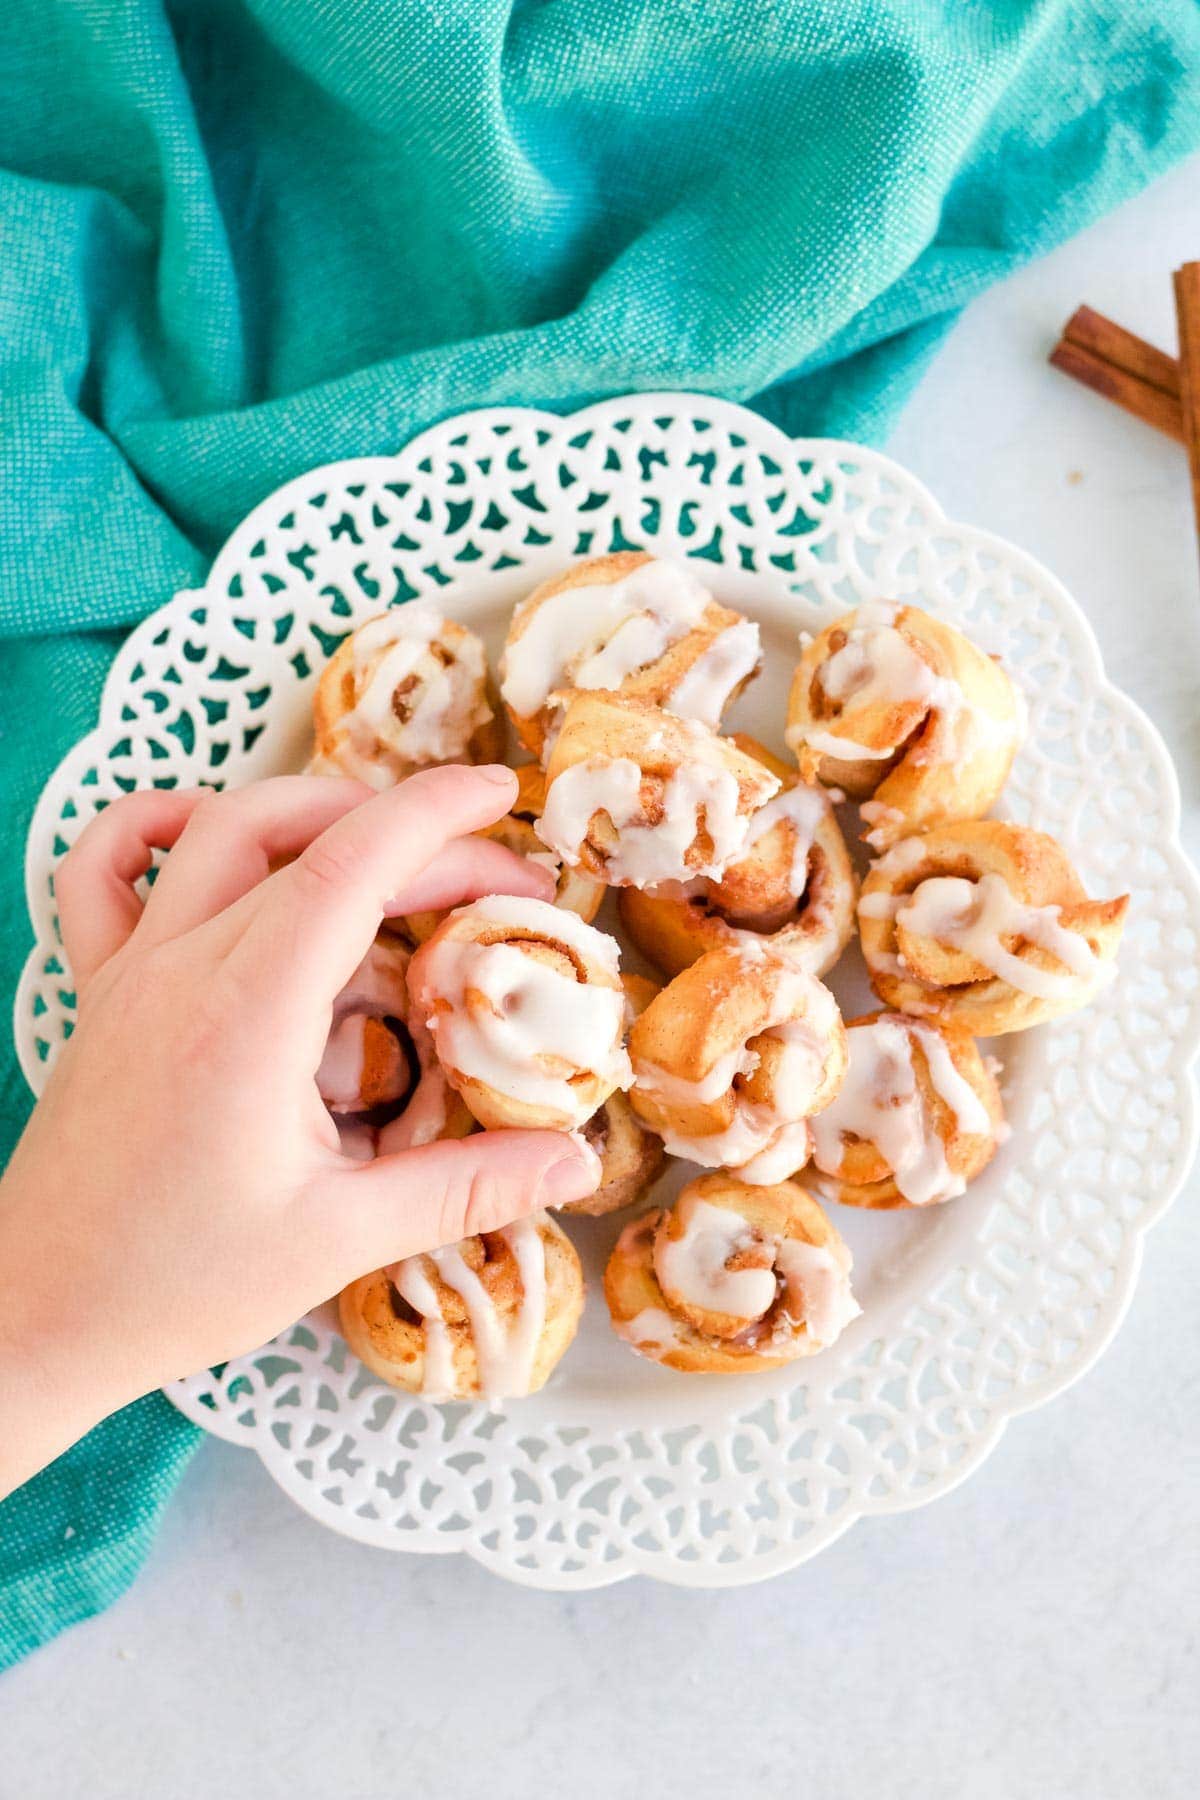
{"points": [[56, 1379]]}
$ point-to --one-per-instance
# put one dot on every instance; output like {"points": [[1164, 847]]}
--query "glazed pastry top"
{"points": [[419, 686], [719, 1264], [907, 715], [970, 920], [524, 1023], [506, 1343], [882, 1103], [646, 797], [731, 1278], [746, 1105], [597, 635]]}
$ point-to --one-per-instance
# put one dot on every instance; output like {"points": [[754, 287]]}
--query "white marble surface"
{"points": [[1030, 1635]]}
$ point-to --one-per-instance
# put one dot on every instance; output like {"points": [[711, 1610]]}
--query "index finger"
{"points": [[98, 905], [314, 919]]}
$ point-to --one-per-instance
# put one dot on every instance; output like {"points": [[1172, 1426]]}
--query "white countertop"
{"points": [[1030, 1635]]}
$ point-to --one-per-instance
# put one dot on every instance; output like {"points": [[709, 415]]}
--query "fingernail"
{"points": [[573, 1177], [496, 773]]}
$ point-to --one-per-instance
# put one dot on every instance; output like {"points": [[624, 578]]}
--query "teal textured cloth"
{"points": [[241, 237]]}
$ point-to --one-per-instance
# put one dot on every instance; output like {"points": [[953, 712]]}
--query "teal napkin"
{"points": [[244, 237]]}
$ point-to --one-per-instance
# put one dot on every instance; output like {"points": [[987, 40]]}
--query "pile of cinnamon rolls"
{"points": [[732, 879]]}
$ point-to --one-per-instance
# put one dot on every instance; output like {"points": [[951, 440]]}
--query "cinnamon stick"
{"points": [[1187, 314], [1122, 367]]}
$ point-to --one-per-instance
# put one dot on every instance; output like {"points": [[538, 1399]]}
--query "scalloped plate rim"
{"points": [[784, 1556]]}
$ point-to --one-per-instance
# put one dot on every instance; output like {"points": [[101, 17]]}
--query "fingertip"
{"points": [[573, 1173], [496, 772]]}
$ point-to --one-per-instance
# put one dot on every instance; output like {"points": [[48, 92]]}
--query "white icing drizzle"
{"points": [[413, 1285], [816, 1289], [598, 635], [878, 668], [809, 1282], [424, 1118], [556, 922], [692, 1265], [536, 1027], [803, 809], [646, 854], [340, 1076], [788, 1150], [881, 818], [902, 858], [375, 990], [881, 1101], [828, 743], [974, 917], [447, 702], [505, 1353], [653, 1328], [704, 691], [763, 1142]]}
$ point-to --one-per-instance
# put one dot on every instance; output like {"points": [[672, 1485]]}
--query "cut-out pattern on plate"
{"points": [[722, 1484]]}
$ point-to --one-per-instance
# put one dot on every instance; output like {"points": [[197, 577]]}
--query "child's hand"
{"points": [[179, 1196]]}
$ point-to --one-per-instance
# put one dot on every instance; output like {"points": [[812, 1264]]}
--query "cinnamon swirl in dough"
{"points": [[406, 690], [734, 1057], [986, 926], [792, 882], [631, 1157], [488, 1318], [378, 1073], [627, 623], [636, 797], [731, 1279], [370, 1061], [917, 1117], [903, 713], [526, 1009]]}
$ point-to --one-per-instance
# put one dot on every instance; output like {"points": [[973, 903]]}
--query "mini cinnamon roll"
{"points": [[731, 1279], [406, 690], [917, 1117], [631, 1157], [370, 1061], [577, 891], [903, 713], [630, 624], [635, 797], [489, 1318], [733, 1058], [526, 1010], [793, 883], [986, 926], [378, 1075]]}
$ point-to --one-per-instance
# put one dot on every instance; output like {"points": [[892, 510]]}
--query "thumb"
{"points": [[415, 1200]]}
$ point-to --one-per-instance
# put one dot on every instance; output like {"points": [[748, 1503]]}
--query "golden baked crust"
{"points": [[391, 1336], [654, 682], [447, 986], [732, 1058], [604, 734], [378, 751], [687, 1323], [631, 1156], [794, 885], [930, 724], [917, 1118], [969, 924]]}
